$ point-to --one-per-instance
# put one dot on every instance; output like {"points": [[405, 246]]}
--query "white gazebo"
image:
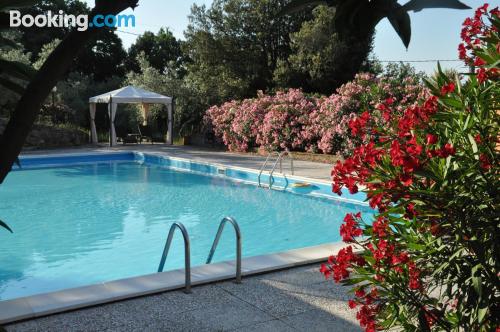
{"points": [[128, 95]]}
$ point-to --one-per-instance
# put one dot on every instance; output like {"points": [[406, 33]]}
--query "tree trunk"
{"points": [[56, 65]]}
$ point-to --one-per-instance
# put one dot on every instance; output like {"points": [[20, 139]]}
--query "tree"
{"points": [[234, 46], [40, 84], [34, 38], [355, 21], [11, 52], [321, 61], [162, 51], [189, 110], [107, 56], [46, 50]]}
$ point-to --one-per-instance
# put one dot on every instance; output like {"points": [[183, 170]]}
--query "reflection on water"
{"points": [[85, 224]]}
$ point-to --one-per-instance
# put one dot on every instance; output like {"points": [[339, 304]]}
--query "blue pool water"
{"points": [[77, 225]]}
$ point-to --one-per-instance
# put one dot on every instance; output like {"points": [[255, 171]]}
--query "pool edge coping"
{"points": [[164, 154], [41, 305], [45, 304]]}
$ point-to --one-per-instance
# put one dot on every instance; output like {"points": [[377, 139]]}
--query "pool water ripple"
{"points": [[84, 224]]}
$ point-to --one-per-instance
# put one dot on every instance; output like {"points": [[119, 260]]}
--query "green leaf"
{"points": [[400, 21], [12, 86], [476, 280], [451, 102], [416, 246], [300, 5], [4, 225], [481, 313], [472, 143], [418, 5], [354, 281], [16, 69], [7, 42]]}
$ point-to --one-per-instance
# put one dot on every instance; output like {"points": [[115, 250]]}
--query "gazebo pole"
{"points": [[170, 133], [110, 105]]}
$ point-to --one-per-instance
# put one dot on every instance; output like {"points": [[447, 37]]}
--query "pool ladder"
{"points": [[187, 249], [279, 160]]}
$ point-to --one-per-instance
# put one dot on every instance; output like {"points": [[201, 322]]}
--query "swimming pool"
{"points": [[87, 219]]}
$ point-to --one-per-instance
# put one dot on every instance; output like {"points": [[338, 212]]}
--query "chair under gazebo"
{"points": [[128, 95]]}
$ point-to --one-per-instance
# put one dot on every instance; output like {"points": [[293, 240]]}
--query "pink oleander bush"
{"points": [[295, 121], [237, 122], [330, 121], [287, 114]]}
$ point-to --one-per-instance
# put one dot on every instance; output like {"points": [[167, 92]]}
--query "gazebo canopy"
{"points": [[128, 95], [131, 95]]}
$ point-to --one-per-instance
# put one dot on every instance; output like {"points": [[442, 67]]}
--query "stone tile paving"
{"points": [[297, 299]]}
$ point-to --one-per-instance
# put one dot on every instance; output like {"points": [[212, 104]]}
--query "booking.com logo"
{"points": [[62, 20]]}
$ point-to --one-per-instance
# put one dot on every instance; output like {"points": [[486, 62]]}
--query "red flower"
{"points": [[340, 264], [325, 271], [410, 164], [350, 183], [478, 62], [360, 292], [376, 200], [350, 229], [401, 258], [484, 162], [396, 154], [477, 138], [410, 210], [448, 88], [431, 139], [483, 9], [352, 304], [406, 180], [380, 227], [446, 151], [481, 75], [336, 188], [414, 274], [462, 51]]}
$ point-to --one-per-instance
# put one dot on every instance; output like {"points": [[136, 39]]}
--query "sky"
{"points": [[435, 32]]}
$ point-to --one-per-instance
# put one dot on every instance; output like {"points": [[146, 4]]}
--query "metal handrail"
{"points": [[187, 253], [280, 158], [265, 164], [238, 245]]}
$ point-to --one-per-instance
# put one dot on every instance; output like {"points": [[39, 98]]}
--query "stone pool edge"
{"points": [[87, 296], [231, 172], [97, 294]]}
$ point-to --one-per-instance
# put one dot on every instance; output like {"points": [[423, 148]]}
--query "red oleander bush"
{"points": [[429, 260]]}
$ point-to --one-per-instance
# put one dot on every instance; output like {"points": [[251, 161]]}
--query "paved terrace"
{"points": [[297, 299]]}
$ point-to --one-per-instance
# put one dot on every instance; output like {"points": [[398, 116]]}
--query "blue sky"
{"points": [[435, 31]]}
